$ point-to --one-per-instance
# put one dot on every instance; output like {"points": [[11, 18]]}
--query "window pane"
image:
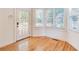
{"points": [[74, 19], [49, 17], [23, 15], [59, 17], [39, 17]]}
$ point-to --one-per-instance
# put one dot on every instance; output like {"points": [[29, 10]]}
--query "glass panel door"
{"points": [[22, 22]]}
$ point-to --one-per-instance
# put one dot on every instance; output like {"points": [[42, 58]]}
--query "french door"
{"points": [[22, 18]]}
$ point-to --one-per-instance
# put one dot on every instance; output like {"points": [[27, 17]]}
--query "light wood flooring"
{"points": [[41, 43]]}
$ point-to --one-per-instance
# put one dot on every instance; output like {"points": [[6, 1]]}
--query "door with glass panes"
{"points": [[22, 17]]}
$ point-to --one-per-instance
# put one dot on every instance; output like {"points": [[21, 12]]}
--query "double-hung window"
{"points": [[49, 13], [39, 17], [74, 19], [59, 18]]}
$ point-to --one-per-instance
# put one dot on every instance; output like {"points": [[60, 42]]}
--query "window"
{"points": [[74, 19], [39, 17], [49, 17], [59, 17]]}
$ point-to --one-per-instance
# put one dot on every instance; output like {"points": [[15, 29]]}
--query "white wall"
{"points": [[7, 26], [50, 32], [73, 39]]}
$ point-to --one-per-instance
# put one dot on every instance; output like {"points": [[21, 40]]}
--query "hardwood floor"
{"points": [[41, 43]]}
